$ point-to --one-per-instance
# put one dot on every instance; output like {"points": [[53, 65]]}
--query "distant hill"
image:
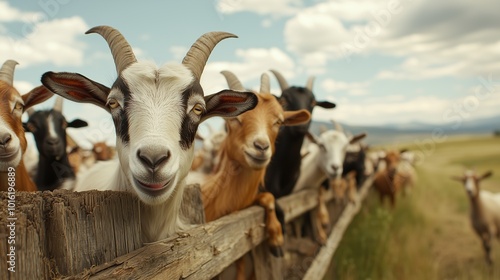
{"points": [[395, 133]]}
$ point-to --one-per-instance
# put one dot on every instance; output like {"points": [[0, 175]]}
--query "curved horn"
{"points": [[281, 80], [310, 82], [265, 86], [7, 71], [232, 81], [198, 54], [337, 126], [120, 48], [58, 104]]}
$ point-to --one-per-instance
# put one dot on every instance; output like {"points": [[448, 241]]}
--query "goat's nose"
{"points": [[153, 158], [53, 141], [5, 138], [261, 145], [335, 167]]}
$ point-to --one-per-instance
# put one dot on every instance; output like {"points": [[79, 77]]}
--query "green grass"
{"points": [[428, 235]]}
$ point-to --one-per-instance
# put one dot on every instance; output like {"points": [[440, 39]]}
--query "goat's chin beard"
{"points": [[11, 159]]}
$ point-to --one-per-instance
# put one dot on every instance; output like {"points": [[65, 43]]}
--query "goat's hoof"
{"points": [[277, 251]]}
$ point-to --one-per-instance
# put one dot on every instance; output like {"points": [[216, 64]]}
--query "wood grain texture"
{"points": [[322, 261]]}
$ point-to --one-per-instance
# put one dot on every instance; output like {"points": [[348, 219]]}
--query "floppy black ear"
{"points": [[325, 104], [77, 123], [26, 127]]}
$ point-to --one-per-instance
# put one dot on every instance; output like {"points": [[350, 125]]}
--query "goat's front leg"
{"points": [[486, 238], [323, 217], [273, 226]]}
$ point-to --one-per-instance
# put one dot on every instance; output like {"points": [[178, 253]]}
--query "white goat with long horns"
{"points": [[156, 112]]}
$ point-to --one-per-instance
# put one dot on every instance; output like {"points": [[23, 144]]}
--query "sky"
{"points": [[380, 61]]}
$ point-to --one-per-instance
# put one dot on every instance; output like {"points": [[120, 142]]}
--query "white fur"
{"points": [[317, 165], [155, 116]]}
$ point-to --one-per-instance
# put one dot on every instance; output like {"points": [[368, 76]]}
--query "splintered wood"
{"points": [[96, 235], [62, 233]]}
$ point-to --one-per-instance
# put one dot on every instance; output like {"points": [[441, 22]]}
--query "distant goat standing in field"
{"points": [[485, 209], [12, 137], [388, 181]]}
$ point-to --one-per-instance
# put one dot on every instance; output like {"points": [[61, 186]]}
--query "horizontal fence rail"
{"points": [[65, 234]]}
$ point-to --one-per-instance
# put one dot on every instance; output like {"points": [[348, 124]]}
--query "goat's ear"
{"points": [[229, 103], [356, 138], [486, 175], [77, 88], [36, 96], [458, 178], [312, 137], [199, 137], [325, 104], [296, 117], [26, 127], [77, 123]]}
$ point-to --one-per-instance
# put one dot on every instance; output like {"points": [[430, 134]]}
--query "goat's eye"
{"points": [[278, 123], [113, 103], [18, 106], [198, 109]]}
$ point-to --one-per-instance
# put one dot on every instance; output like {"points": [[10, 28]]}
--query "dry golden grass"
{"points": [[428, 235]]}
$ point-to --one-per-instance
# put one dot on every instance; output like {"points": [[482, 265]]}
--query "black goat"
{"points": [[355, 161], [49, 129], [284, 169]]}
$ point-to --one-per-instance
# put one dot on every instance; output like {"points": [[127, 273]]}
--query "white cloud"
{"points": [[11, 14], [261, 7], [178, 52], [401, 109], [253, 63], [354, 89], [458, 38], [53, 41], [23, 86]]}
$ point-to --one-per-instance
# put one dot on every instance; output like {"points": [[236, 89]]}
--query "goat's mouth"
{"points": [[153, 189], [8, 155], [258, 160]]}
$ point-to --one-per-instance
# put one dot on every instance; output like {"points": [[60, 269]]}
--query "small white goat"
{"points": [[485, 209], [325, 161], [156, 112]]}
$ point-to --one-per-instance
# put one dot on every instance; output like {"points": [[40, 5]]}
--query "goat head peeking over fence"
{"points": [[156, 112], [12, 138], [49, 129]]}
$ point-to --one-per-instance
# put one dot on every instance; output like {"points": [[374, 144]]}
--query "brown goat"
{"points": [[12, 139], [244, 156], [388, 181]]}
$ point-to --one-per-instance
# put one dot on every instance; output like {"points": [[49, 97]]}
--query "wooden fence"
{"points": [[96, 235]]}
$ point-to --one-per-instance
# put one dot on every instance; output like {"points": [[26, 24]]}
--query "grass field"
{"points": [[428, 235]]}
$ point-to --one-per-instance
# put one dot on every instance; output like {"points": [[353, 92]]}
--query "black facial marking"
{"points": [[190, 123], [121, 121], [46, 145]]}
